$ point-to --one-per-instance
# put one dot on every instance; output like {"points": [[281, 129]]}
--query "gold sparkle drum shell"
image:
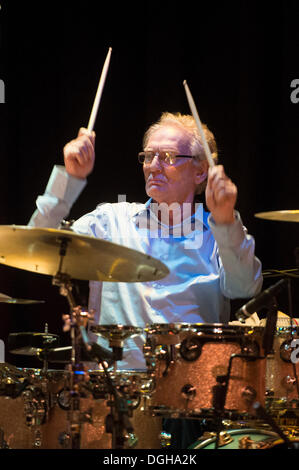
{"points": [[36, 414], [282, 369], [186, 360]]}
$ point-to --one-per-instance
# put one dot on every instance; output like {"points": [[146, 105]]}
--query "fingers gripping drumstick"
{"points": [[97, 99], [199, 126]]}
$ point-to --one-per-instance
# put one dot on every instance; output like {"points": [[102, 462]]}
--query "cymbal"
{"points": [[282, 216], [30, 344], [87, 258], [10, 300], [116, 332]]}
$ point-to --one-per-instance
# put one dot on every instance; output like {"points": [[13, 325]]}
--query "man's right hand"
{"points": [[79, 154]]}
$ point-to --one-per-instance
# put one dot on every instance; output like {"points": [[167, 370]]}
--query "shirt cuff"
{"points": [[228, 235], [64, 186]]}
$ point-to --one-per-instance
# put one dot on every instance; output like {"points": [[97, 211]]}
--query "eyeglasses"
{"points": [[166, 157]]}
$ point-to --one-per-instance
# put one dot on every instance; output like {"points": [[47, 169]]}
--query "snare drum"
{"points": [[188, 360]]}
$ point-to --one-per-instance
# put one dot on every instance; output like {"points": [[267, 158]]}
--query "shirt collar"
{"points": [[146, 208]]}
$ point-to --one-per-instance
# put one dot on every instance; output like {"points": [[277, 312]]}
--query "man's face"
{"points": [[170, 183]]}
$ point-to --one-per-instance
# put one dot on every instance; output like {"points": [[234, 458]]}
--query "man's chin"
{"points": [[153, 191]]}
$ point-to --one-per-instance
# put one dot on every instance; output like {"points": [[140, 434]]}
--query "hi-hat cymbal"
{"points": [[5, 299], [30, 344], [282, 216], [86, 258]]}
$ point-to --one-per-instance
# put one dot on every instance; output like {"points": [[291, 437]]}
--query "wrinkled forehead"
{"points": [[170, 138]]}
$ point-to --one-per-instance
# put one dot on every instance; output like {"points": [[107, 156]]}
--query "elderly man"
{"points": [[210, 257]]}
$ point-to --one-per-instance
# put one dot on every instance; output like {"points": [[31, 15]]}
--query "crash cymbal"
{"points": [[9, 300], [282, 216], [86, 258]]}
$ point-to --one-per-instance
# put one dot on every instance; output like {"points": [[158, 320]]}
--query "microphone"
{"points": [[261, 300]]}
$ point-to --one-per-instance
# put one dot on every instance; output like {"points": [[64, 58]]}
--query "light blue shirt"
{"points": [[208, 263]]}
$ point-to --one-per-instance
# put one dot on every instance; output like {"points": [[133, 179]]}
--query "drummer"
{"points": [[210, 255]]}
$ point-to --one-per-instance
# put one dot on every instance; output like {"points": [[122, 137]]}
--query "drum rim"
{"points": [[237, 431], [216, 330]]}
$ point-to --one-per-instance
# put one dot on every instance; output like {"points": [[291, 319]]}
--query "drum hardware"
{"points": [[220, 390], [117, 421], [168, 355], [84, 258], [78, 318], [36, 408], [12, 381], [165, 439], [270, 328], [190, 348], [240, 438], [3, 443], [10, 300], [33, 344], [116, 334], [266, 417]]}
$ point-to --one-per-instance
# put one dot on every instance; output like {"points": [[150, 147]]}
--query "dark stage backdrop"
{"points": [[239, 58]]}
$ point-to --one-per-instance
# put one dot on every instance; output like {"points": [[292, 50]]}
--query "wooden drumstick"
{"points": [[97, 99], [199, 126]]}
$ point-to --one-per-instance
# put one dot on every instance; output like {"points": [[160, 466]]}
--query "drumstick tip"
{"points": [[185, 82]]}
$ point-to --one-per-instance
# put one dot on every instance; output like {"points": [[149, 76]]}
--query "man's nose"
{"points": [[155, 164]]}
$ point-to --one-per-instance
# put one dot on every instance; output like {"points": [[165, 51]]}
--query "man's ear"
{"points": [[201, 172]]}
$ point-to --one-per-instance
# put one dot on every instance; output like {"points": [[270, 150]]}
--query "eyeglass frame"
{"points": [[157, 153]]}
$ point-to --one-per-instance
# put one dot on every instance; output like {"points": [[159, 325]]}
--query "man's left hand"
{"points": [[221, 195]]}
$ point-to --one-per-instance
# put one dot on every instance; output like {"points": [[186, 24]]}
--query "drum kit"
{"points": [[240, 380]]}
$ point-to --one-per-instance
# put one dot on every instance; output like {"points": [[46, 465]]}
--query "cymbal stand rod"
{"points": [[45, 361], [64, 282]]}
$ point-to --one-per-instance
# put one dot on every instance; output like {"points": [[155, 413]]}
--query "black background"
{"points": [[239, 59]]}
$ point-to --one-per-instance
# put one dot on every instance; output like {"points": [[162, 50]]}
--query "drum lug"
{"points": [[64, 440], [165, 439], [248, 394], [188, 392], [288, 382], [131, 440], [247, 443], [37, 439], [224, 437], [86, 417]]}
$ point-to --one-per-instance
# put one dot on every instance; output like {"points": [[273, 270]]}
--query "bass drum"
{"points": [[244, 438]]}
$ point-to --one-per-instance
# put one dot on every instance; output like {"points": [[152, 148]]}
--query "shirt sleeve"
{"points": [[55, 204], [240, 269]]}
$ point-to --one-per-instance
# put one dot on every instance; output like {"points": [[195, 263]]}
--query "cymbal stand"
{"points": [[117, 422], [63, 281], [45, 358]]}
